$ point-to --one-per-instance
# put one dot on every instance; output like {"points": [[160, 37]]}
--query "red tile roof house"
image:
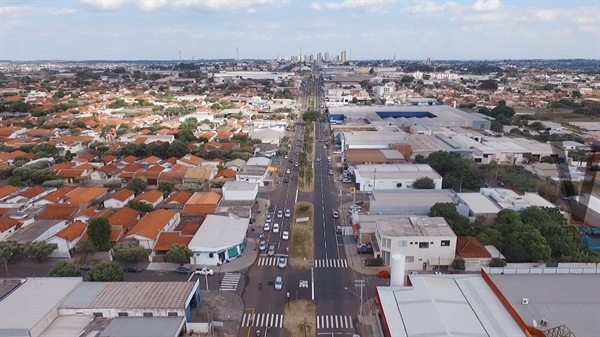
{"points": [[152, 197], [474, 253], [147, 230], [119, 199], [67, 239], [28, 195]]}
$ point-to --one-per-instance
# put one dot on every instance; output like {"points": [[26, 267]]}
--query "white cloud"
{"points": [[560, 33], [14, 23], [150, 5], [14, 9], [370, 5], [486, 6], [545, 14], [433, 8], [62, 11], [173, 30], [198, 36], [105, 4]]}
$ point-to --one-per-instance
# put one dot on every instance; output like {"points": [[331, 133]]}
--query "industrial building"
{"points": [[392, 176], [59, 306], [412, 201], [407, 116]]}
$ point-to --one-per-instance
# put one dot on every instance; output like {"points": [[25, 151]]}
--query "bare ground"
{"points": [[296, 312], [302, 250], [220, 306]]}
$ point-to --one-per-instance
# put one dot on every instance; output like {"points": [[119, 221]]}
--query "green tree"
{"points": [[39, 250], [128, 251], [458, 264], [311, 115], [488, 85], [106, 272], [460, 224], [178, 254], [99, 233], [64, 269], [304, 327], [137, 185], [420, 159], [141, 206], [497, 262], [10, 249], [424, 183], [84, 248]]}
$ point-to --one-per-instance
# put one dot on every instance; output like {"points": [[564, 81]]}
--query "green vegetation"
{"points": [[106, 272], [64, 269], [178, 254], [302, 248], [99, 233], [458, 172], [424, 183], [128, 251], [532, 235]]}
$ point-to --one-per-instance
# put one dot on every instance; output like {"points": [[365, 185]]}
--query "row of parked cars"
{"points": [[198, 271]]}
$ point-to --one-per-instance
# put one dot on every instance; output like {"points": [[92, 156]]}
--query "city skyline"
{"points": [[266, 29]]}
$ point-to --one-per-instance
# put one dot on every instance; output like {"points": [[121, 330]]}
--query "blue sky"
{"points": [[372, 29]]}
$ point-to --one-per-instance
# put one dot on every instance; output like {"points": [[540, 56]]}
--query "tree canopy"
{"points": [[424, 183], [128, 251], [178, 254], [64, 269], [457, 171], [106, 272], [99, 233]]}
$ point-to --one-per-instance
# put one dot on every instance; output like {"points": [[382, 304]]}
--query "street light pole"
{"points": [[288, 299]]}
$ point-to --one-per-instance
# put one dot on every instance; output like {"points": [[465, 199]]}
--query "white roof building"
{"points": [[393, 176], [219, 239]]}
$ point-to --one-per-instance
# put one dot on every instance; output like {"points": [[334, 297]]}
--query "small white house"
{"points": [[219, 240], [67, 239], [146, 231], [119, 199]]}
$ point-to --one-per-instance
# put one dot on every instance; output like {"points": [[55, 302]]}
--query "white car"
{"points": [[269, 218], [282, 262], [288, 213], [276, 228], [278, 284], [285, 235], [279, 214], [267, 227], [288, 171], [204, 271]]}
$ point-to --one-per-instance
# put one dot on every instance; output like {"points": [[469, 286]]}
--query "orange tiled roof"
{"points": [[125, 217], [179, 197], [72, 231], [226, 173], [58, 212], [468, 247], [188, 227], [122, 194], [84, 195], [6, 223], [151, 196], [167, 239], [58, 195], [33, 192], [152, 223], [7, 190], [62, 166]]}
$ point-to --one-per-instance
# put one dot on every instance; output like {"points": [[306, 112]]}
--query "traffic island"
{"points": [[302, 249], [300, 318]]}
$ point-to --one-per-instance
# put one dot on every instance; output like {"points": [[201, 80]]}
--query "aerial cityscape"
{"points": [[299, 169]]}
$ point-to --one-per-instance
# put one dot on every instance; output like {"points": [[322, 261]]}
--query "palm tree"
{"points": [[305, 327]]}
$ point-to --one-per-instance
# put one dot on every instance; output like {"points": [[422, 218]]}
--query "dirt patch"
{"points": [[220, 306], [298, 313], [302, 250]]}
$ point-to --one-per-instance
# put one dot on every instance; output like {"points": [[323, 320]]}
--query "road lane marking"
{"points": [[325, 244], [331, 263], [312, 279], [296, 200]]}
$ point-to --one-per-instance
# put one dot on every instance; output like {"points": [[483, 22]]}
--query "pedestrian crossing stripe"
{"points": [[303, 284], [262, 320], [334, 322], [268, 261], [331, 263], [230, 281]]}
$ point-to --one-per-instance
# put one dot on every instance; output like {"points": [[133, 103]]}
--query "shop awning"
{"points": [[232, 252], [244, 243]]}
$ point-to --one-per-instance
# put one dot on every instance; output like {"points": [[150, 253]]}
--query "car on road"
{"points": [[132, 270], [282, 262], [278, 284], [267, 227], [271, 251], [286, 180], [269, 218], [335, 214], [346, 181], [324, 146], [338, 230], [285, 235], [272, 208], [276, 228], [318, 159], [279, 214], [262, 246], [86, 267], [288, 213], [182, 271], [296, 164], [291, 160], [330, 172], [204, 271], [329, 158], [288, 171], [365, 250]]}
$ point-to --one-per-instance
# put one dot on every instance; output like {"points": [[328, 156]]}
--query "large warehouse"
{"points": [[407, 116], [63, 306]]}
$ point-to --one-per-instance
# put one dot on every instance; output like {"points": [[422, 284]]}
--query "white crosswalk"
{"points": [[262, 320], [267, 261], [334, 322], [331, 263], [230, 281]]}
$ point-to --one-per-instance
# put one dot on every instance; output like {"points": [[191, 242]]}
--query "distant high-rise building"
{"points": [[326, 56], [311, 58], [319, 58], [394, 58], [343, 57], [428, 61], [337, 58]]}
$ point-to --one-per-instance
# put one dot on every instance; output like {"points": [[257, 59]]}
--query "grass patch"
{"points": [[297, 312], [302, 249]]}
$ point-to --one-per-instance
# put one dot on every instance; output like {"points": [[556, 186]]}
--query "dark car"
{"points": [[272, 208], [132, 270], [86, 267], [183, 270], [286, 180]]}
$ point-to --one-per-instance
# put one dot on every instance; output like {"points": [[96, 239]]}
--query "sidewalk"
{"points": [[370, 325]]}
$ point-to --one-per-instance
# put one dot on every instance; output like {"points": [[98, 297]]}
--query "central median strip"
{"points": [[302, 251], [300, 318]]}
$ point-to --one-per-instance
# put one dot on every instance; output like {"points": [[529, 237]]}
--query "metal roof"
{"points": [[143, 327], [572, 299], [446, 305], [67, 326], [219, 232], [130, 295], [27, 305]]}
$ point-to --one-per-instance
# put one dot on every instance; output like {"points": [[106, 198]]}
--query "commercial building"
{"points": [[489, 201], [256, 170], [428, 243], [374, 156], [48, 306], [407, 116], [445, 305], [411, 201], [393, 176], [219, 240]]}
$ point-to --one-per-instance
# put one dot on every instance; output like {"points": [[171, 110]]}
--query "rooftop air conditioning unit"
{"points": [[525, 301]]}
